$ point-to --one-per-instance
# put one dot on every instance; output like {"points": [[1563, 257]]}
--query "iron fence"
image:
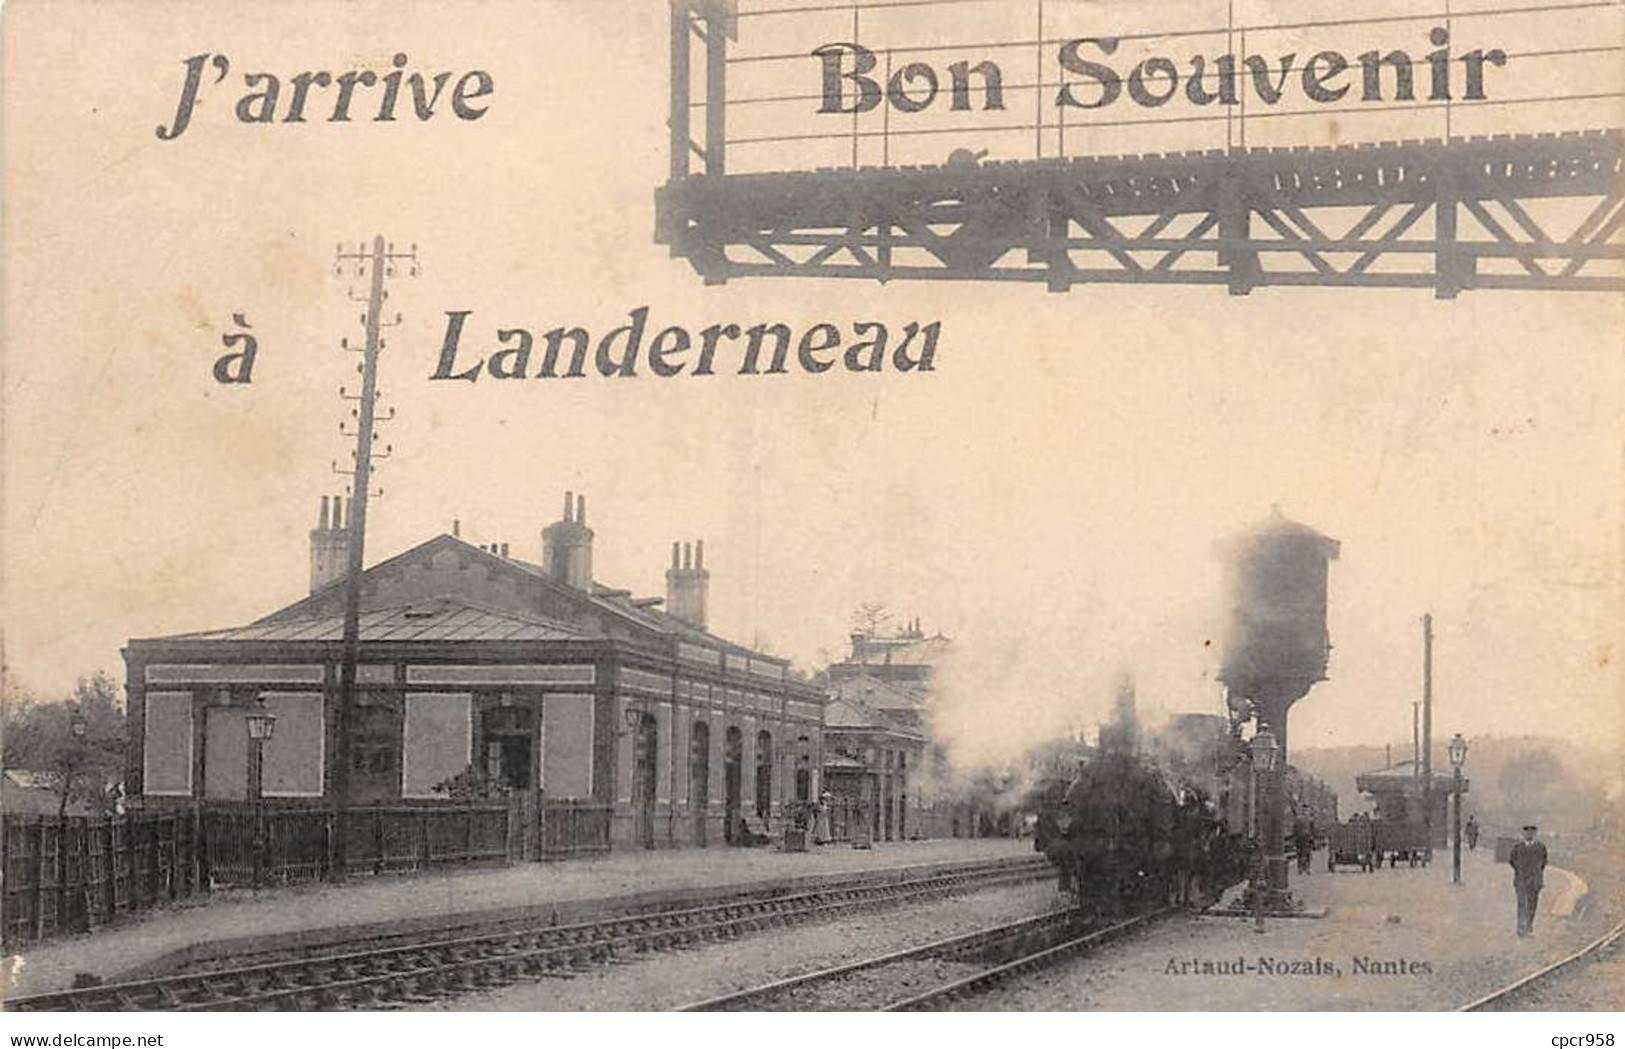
{"points": [[76, 873], [574, 828]]}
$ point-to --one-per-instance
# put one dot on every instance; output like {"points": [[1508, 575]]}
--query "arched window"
{"points": [[764, 775], [699, 764], [733, 781], [803, 769], [699, 776]]}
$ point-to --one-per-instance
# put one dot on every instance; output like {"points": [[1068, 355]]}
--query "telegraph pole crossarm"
{"points": [[378, 262]]}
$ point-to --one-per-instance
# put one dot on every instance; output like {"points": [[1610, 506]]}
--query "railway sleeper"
{"points": [[480, 962]]}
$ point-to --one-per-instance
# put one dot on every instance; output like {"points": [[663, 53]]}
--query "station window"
{"points": [[375, 747]]}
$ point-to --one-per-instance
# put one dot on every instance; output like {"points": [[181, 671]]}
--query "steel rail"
{"points": [[1601, 943], [760, 996], [468, 931], [981, 981], [752, 997], [419, 971]]}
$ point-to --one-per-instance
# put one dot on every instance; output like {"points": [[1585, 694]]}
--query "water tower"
{"points": [[1274, 648]]}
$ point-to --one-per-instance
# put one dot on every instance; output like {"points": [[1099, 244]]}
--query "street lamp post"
{"points": [[1264, 751], [77, 729], [642, 815], [261, 724], [1458, 755]]}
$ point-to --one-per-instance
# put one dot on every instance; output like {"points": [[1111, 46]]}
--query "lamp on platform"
{"points": [[261, 724], [1458, 757], [641, 727], [1266, 752], [633, 718]]}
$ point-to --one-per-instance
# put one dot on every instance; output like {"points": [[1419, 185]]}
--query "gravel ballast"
{"points": [[668, 980]]}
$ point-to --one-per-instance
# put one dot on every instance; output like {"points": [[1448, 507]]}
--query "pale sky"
{"points": [[1049, 495]]}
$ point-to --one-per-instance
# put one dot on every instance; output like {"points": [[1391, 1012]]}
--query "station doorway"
{"points": [[507, 744]]}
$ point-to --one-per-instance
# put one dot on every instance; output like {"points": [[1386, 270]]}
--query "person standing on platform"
{"points": [[1303, 845], [1471, 833], [1528, 861]]}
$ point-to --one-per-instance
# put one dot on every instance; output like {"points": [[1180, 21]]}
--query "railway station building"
{"points": [[531, 681], [908, 658], [875, 762]]}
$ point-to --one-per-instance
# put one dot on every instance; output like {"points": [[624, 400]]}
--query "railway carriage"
{"points": [[1363, 842], [1399, 840], [1351, 845]]}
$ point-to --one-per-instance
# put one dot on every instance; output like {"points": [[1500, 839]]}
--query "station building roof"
{"points": [[440, 619], [845, 713], [879, 694], [1404, 778], [448, 590]]}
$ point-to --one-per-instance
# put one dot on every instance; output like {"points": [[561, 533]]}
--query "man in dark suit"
{"points": [[1528, 861]]}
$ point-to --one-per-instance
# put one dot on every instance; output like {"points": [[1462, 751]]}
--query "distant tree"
{"points": [[870, 617], [815, 673], [39, 739], [1531, 778]]}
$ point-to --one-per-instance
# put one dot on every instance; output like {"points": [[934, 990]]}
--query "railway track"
{"points": [[372, 976], [1606, 944], [952, 968]]}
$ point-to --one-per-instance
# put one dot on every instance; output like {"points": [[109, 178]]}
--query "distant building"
{"points": [[902, 703], [895, 676], [876, 760], [27, 793], [869, 760], [905, 658], [533, 677]]}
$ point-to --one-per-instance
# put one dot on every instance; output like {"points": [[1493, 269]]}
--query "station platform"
{"points": [[242, 921], [1394, 939]]}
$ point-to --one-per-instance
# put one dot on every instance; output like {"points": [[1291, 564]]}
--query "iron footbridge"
{"points": [[1531, 212]]}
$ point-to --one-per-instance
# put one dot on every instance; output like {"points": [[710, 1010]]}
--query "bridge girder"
{"points": [[1526, 212]]}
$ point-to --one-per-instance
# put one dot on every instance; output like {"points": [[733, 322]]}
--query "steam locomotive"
{"points": [[1125, 838]]}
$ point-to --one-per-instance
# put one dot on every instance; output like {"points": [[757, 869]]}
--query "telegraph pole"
{"points": [[1427, 729], [1416, 740], [380, 259]]}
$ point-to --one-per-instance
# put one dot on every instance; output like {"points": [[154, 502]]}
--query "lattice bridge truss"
{"points": [[1512, 212]]}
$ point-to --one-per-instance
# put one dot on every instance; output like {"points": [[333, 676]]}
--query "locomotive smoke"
{"points": [[1007, 689]]}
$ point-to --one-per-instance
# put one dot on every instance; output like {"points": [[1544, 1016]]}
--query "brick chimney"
{"points": [[687, 583], [329, 545], [567, 545]]}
